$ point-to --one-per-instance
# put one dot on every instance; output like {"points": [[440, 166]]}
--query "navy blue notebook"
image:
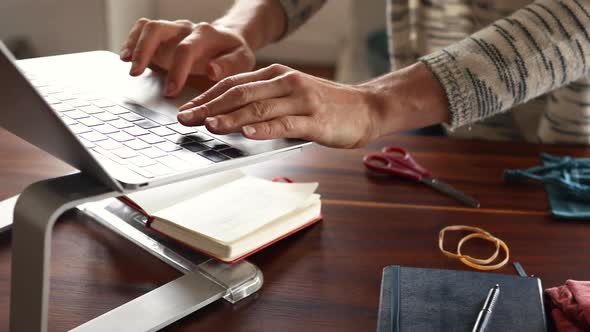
{"points": [[416, 299]]}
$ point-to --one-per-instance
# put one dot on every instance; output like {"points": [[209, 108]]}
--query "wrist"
{"points": [[372, 104], [406, 99], [259, 23]]}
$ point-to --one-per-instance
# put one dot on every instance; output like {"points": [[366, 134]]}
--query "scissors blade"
{"points": [[450, 191]]}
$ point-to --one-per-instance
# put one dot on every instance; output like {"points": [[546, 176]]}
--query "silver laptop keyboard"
{"points": [[133, 136]]}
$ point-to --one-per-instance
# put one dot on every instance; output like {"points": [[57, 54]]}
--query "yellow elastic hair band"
{"points": [[482, 264]]}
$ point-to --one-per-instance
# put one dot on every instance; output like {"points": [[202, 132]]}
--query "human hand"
{"points": [[184, 48], [279, 102]]}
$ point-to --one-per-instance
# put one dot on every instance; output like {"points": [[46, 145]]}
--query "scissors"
{"points": [[397, 161]]}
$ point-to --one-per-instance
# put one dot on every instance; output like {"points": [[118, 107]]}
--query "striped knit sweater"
{"points": [[491, 56]]}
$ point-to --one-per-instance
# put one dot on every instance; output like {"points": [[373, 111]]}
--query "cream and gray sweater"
{"points": [[491, 56]]}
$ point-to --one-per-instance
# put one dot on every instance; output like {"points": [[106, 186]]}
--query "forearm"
{"points": [[260, 22], [406, 99]]}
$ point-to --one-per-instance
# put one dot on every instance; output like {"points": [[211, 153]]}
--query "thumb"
{"points": [[238, 61]]}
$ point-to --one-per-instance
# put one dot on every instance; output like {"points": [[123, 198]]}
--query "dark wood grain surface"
{"points": [[325, 278]]}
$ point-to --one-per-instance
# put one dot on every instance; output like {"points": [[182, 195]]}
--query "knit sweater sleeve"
{"points": [[298, 12], [537, 49]]}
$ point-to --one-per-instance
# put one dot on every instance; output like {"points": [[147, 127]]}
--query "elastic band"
{"points": [[476, 260], [476, 263], [441, 237], [282, 179], [483, 267]]}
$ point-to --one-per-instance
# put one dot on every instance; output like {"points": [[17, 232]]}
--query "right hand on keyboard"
{"points": [[184, 48]]}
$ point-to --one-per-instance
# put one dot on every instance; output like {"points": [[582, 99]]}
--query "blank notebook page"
{"points": [[7, 212], [155, 199], [238, 208]]}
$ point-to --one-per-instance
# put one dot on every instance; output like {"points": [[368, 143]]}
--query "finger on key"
{"points": [[302, 127], [129, 46], [235, 98], [152, 35], [187, 52], [232, 81], [252, 113]]}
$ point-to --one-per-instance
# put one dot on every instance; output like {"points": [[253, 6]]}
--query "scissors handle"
{"points": [[379, 162], [406, 158], [397, 161]]}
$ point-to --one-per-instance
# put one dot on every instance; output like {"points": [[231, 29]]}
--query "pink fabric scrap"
{"points": [[571, 306]]}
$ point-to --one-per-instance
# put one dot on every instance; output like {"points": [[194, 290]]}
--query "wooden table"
{"points": [[325, 278]]}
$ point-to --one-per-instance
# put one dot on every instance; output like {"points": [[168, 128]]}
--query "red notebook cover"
{"points": [[150, 219]]}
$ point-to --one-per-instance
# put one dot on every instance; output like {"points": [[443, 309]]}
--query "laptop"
{"points": [[87, 111]]}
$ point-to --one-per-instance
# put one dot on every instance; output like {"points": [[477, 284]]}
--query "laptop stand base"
{"points": [[35, 213]]}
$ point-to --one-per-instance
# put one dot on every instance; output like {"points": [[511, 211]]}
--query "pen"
{"points": [[486, 312]]}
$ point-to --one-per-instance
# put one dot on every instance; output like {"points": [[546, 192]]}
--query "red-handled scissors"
{"points": [[397, 161]]}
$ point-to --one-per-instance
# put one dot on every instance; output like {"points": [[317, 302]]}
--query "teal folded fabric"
{"points": [[567, 182]]}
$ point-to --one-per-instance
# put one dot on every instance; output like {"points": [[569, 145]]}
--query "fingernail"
{"points": [[249, 130], [134, 69], [185, 116], [125, 54], [216, 69], [211, 122], [186, 106], [170, 88]]}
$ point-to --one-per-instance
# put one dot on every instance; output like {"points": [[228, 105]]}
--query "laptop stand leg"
{"points": [[35, 213]]}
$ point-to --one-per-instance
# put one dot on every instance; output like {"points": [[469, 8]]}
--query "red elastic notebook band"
{"points": [[282, 179], [127, 201]]}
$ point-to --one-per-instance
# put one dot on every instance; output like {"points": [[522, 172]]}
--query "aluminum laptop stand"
{"points": [[36, 211]]}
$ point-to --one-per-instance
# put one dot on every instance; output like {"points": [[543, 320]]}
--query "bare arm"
{"points": [[259, 22]]}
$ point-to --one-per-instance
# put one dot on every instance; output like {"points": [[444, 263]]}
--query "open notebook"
{"points": [[229, 215]]}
